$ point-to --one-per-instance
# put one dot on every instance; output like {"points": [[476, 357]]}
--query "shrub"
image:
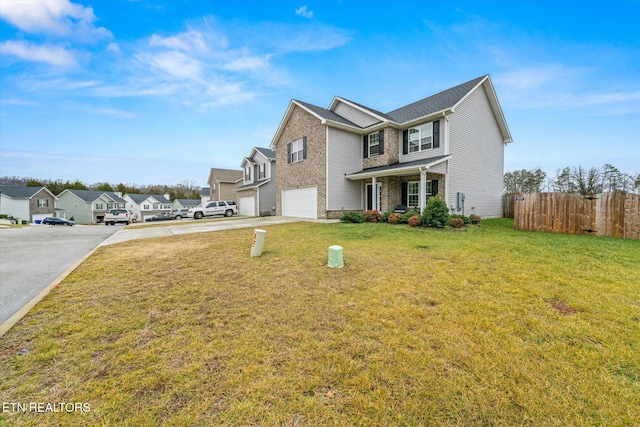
{"points": [[351, 216], [404, 218], [456, 222], [415, 221], [372, 216], [436, 213], [464, 219], [394, 218], [475, 219], [385, 216]]}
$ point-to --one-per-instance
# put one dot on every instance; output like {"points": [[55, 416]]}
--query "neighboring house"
{"points": [[351, 157], [144, 206], [204, 194], [257, 194], [186, 203], [88, 206], [31, 204], [223, 183]]}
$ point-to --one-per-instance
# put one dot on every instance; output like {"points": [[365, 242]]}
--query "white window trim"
{"points": [[423, 131], [375, 143], [297, 151], [428, 191]]}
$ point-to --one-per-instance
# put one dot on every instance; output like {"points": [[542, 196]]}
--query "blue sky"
{"points": [[158, 92]]}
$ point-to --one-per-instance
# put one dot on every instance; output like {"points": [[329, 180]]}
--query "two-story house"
{"points": [[351, 157], [87, 206], [144, 206], [223, 184], [257, 194], [31, 204]]}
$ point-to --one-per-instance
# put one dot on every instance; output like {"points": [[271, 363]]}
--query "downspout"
{"points": [[446, 152]]}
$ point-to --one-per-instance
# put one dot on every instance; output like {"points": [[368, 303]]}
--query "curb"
{"points": [[17, 316]]}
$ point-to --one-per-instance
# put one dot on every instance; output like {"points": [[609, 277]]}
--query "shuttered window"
{"points": [[297, 150], [421, 138]]}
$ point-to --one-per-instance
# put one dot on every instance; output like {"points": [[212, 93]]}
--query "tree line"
{"points": [[577, 180], [183, 190]]}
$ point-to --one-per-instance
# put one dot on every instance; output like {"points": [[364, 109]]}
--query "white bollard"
{"points": [[335, 257], [258, 242]]}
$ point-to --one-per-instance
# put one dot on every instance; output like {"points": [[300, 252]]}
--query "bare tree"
{"points": [[524, 181]]}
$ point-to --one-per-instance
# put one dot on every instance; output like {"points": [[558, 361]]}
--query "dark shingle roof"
{"points": [[189, 202], [438, 102], [401, 165], [327, 114], [253, 184], [91, 195], [268, 153], [18, 192], [227, 175]]}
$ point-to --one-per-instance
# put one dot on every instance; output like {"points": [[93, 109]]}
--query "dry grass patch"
{"points": [[420, 327]]}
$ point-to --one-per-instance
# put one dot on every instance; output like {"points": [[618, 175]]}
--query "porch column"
{"points": [[423, 189], [374, 194]]}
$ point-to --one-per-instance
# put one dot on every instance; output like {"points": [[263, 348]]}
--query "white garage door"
{"points": [[247, 206], [300, 202], [37, 218]]}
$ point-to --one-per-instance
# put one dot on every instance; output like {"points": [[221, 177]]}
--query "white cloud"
{"points": [[53, 55], [189, 41], [174, 64], [60, 17], [304, 12]]}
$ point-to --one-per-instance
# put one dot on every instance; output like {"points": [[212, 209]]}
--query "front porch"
{"points": [[403, 184]]}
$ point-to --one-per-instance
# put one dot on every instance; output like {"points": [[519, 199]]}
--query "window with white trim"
{"points": [[262, 174], [297, 151], [413, 192], [99, 206], [421, 137], [247, 173], [146, 207], [374, 144]]}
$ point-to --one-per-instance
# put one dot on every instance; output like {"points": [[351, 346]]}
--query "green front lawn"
{"points": [[487, 326]]}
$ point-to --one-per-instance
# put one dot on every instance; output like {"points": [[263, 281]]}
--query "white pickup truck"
{"points": [[223, 207], [119, 215]]}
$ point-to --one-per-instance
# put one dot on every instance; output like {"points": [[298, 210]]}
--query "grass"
{"points": [[488, 326]]}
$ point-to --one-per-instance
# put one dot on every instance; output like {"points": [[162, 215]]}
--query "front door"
{"points": [[370, 198]]}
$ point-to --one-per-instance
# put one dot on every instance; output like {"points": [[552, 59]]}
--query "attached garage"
{"points": [[300, 202], [247, 206]]}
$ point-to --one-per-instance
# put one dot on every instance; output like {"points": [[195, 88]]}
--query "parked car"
{"points": [[160, 217], [178, 213], [57, 221], [118, 215], [223, 207]]}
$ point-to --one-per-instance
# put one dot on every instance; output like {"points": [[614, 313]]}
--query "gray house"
{"points": [[88, 206], [31, 204], [144, 206], [351, 157], [257, 193]]}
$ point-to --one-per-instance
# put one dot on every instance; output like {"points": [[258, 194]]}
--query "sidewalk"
{"points": [[175, 228]]}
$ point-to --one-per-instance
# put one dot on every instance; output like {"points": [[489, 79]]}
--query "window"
{"points": [[297, 150], [262, 172], [421, 137], [247, 173], [99, 206], [413, 192], [146, 207], [43, 203], [156, 206], [374, 144]]}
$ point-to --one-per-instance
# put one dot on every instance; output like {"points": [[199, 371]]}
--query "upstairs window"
{"points": [[421, 138], [43, 203], [262, 172], [297, 150], [247, 173], [374, 144]]}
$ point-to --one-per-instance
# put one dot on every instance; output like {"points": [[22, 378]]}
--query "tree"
{"points": [[104, 186], [524, 181], [34, 183], [585, 181]]}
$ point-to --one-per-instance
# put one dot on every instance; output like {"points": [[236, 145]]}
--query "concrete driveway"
{"points": [[33, 257]]}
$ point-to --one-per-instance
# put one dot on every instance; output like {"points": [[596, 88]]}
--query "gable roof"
{"points": [[91, 195], [267, 152], [225, 175], [139, 198], [19, 192], [441, 103]]}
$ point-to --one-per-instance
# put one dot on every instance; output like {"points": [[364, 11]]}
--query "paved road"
{"points": [[33, 257]]}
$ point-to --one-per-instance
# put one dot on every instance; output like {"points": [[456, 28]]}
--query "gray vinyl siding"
{"points": [[344, 156], [477, 149], [426, 153], [354, 115], [268, 193], [75, 207]]}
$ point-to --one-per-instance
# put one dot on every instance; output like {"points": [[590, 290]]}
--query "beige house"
{"points": [[223, 183], [351, 157]]}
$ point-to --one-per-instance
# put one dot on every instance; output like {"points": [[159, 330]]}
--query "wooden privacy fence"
{"points": [[614, 214]]}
